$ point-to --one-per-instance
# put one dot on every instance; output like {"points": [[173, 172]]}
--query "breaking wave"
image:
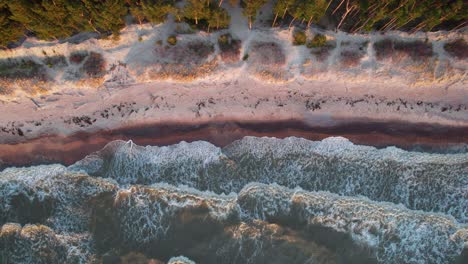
{"points": [[420, 181], [257, 200]]}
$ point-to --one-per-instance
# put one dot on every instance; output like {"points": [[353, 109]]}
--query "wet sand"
{"points": [[68, 149]]}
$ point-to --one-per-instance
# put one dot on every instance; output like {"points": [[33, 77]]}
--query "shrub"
{"points": [[230, 48], [350, 58], [159, 42], [319, 40], [299, 38], [77, 57], [322, 53], [55, 61], [140, 38], [200, 49], [191, 53], [246, 57], [223, 40], [172, 40], [21, 68], [267, 53], [457, 48], [383, 48], [95, 65], [416, 50]]}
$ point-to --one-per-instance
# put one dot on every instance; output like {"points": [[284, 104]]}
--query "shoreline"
{"points": [[382, 101], [67, 149], [246, 100]]}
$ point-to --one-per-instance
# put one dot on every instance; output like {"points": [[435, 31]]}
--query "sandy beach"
{"points": [[398, 99]]}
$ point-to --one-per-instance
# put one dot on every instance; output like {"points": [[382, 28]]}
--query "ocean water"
{"points": [[256, 200]]}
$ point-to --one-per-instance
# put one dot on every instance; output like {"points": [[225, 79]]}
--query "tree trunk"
{"points": [[196, 20], [250, 23], [336, 9], [389, 23], [274, 20], [284, 14], [292, 21], [309, 22], [348, 10], [91, 24], [220, 3]]}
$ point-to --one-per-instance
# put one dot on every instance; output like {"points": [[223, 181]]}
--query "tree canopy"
{"points": [[367, 15], [251, 8], [58, 19], [153, 11]]}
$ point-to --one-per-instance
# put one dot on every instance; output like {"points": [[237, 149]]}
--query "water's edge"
{"points": [[67, 149]]}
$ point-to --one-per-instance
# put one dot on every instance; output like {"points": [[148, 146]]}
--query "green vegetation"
{"points": [[224, 39], [58, 19], [299, 38], [153, 11], [206, 15], [251, 8], [219, 18], [10, 30], [172, 40], [57, 61], [319, 40], [413, 14], [246, 57], [366, 15], [21, 68]]}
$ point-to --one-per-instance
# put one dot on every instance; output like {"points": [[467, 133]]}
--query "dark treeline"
{"points": [[58, 19]]}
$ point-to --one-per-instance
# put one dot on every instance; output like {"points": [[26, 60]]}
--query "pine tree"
{"points": [[296, 11], [281, 8], [153, 11], [26, 13], [10, 31], [196, 10], [106, 15], [251, 8], [49, 19], [219, 18]]}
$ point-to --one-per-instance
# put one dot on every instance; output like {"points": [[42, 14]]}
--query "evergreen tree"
{"points": [[31, 15], [219, 18], [153, 11], [251, 8], [50, 19], [281, 8], [296, 11], [395, 14], [106, 15], [197, 10], [10, 31]]}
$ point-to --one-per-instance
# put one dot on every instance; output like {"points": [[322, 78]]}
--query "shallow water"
{"points": [[69, 149]]}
